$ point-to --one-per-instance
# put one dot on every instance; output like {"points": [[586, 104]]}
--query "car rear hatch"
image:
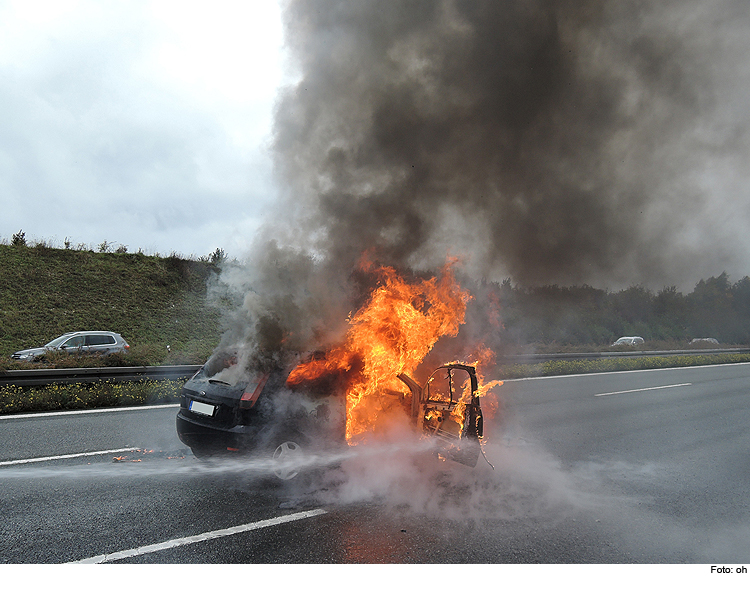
{"points": [[219, 403]]}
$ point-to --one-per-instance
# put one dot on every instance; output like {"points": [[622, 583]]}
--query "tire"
{"points": [[286, 457]]}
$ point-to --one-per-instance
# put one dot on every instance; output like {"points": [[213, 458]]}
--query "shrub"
{"points": [[19, 239], [105, 393]]}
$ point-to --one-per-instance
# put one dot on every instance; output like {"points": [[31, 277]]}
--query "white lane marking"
{"points": [[86, 411], [214, 534], [651, 388], [24, 461]]}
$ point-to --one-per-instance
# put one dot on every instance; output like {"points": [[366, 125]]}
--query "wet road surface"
{"points": [[638, 467]]}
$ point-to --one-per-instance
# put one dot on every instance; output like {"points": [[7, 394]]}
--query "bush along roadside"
{"points": [[93, 395]]}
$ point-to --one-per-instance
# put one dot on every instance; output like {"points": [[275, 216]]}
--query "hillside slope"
{"points": [[152, 301]]}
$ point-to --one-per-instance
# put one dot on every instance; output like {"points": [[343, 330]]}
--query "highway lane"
{"points": [[625, 467], [640, 416], [70, 513], [49, 434], [674, 442]]}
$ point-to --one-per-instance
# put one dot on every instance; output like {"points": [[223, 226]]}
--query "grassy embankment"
{"points": [[151, 301], [562, 367]]}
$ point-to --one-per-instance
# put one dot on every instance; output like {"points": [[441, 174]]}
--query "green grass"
{"points": [[151, 301]]}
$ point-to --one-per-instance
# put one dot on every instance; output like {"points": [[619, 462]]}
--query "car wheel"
{"points": [[286, 458]]}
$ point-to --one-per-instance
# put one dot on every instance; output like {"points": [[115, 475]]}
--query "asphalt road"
{"points": [[637, 467]]}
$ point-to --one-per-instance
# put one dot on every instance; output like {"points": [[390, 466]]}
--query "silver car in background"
{"points": [[631, 341], [77, 342]]}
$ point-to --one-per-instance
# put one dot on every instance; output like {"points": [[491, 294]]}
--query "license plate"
{"points": [[202, 408]]}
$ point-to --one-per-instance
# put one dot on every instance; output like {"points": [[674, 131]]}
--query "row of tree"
{"points": [[584, 315]]}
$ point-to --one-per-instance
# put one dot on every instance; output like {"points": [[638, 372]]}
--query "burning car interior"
{"points": [[448, 408], [349, 393]]}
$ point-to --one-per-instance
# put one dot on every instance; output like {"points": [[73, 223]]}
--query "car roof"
{"points": [[91, 333], [71, 333]]}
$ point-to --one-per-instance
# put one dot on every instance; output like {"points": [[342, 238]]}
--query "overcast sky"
{"points": [[142, 124]]}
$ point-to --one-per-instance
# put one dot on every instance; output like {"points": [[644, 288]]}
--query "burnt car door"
{"points": [[447, 408]]}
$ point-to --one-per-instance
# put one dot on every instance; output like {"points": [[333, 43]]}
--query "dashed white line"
{"points": [[24, 461], [87, 411], [214, 534], [651, 388]]}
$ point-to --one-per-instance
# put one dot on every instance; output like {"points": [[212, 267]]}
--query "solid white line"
{"points": [[651, 388], [24, 461], [86, 411], [214, 534]]}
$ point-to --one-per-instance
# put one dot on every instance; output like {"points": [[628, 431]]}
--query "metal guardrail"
{"points": [[76, 375], [125, 374]]}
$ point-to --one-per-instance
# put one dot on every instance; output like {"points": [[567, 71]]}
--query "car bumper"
{"points": [[213, 439], [196, 435]]}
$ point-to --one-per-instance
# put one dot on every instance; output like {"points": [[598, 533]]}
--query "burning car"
{"points": [[357, 388], [226, 411]]}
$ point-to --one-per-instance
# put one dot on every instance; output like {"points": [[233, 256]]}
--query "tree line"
{"points": [[585, 315]]}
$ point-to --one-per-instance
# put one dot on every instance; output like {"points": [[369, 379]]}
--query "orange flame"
{"points": [[389, 336]]}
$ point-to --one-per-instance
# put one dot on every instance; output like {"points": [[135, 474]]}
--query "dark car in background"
{"points": [[77, 342], [224, 410]]}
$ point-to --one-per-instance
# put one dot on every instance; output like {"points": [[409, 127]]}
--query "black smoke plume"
{"points": [[551, 141], [567, 141]]}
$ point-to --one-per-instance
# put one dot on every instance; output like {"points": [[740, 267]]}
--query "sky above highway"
{"points": [[142, 124]]}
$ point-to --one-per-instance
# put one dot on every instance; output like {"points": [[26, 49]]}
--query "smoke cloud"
{"points": [[552, 142]]}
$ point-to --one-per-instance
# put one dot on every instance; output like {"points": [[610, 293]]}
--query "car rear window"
{"points": [[220, 361], [99, 339]]}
